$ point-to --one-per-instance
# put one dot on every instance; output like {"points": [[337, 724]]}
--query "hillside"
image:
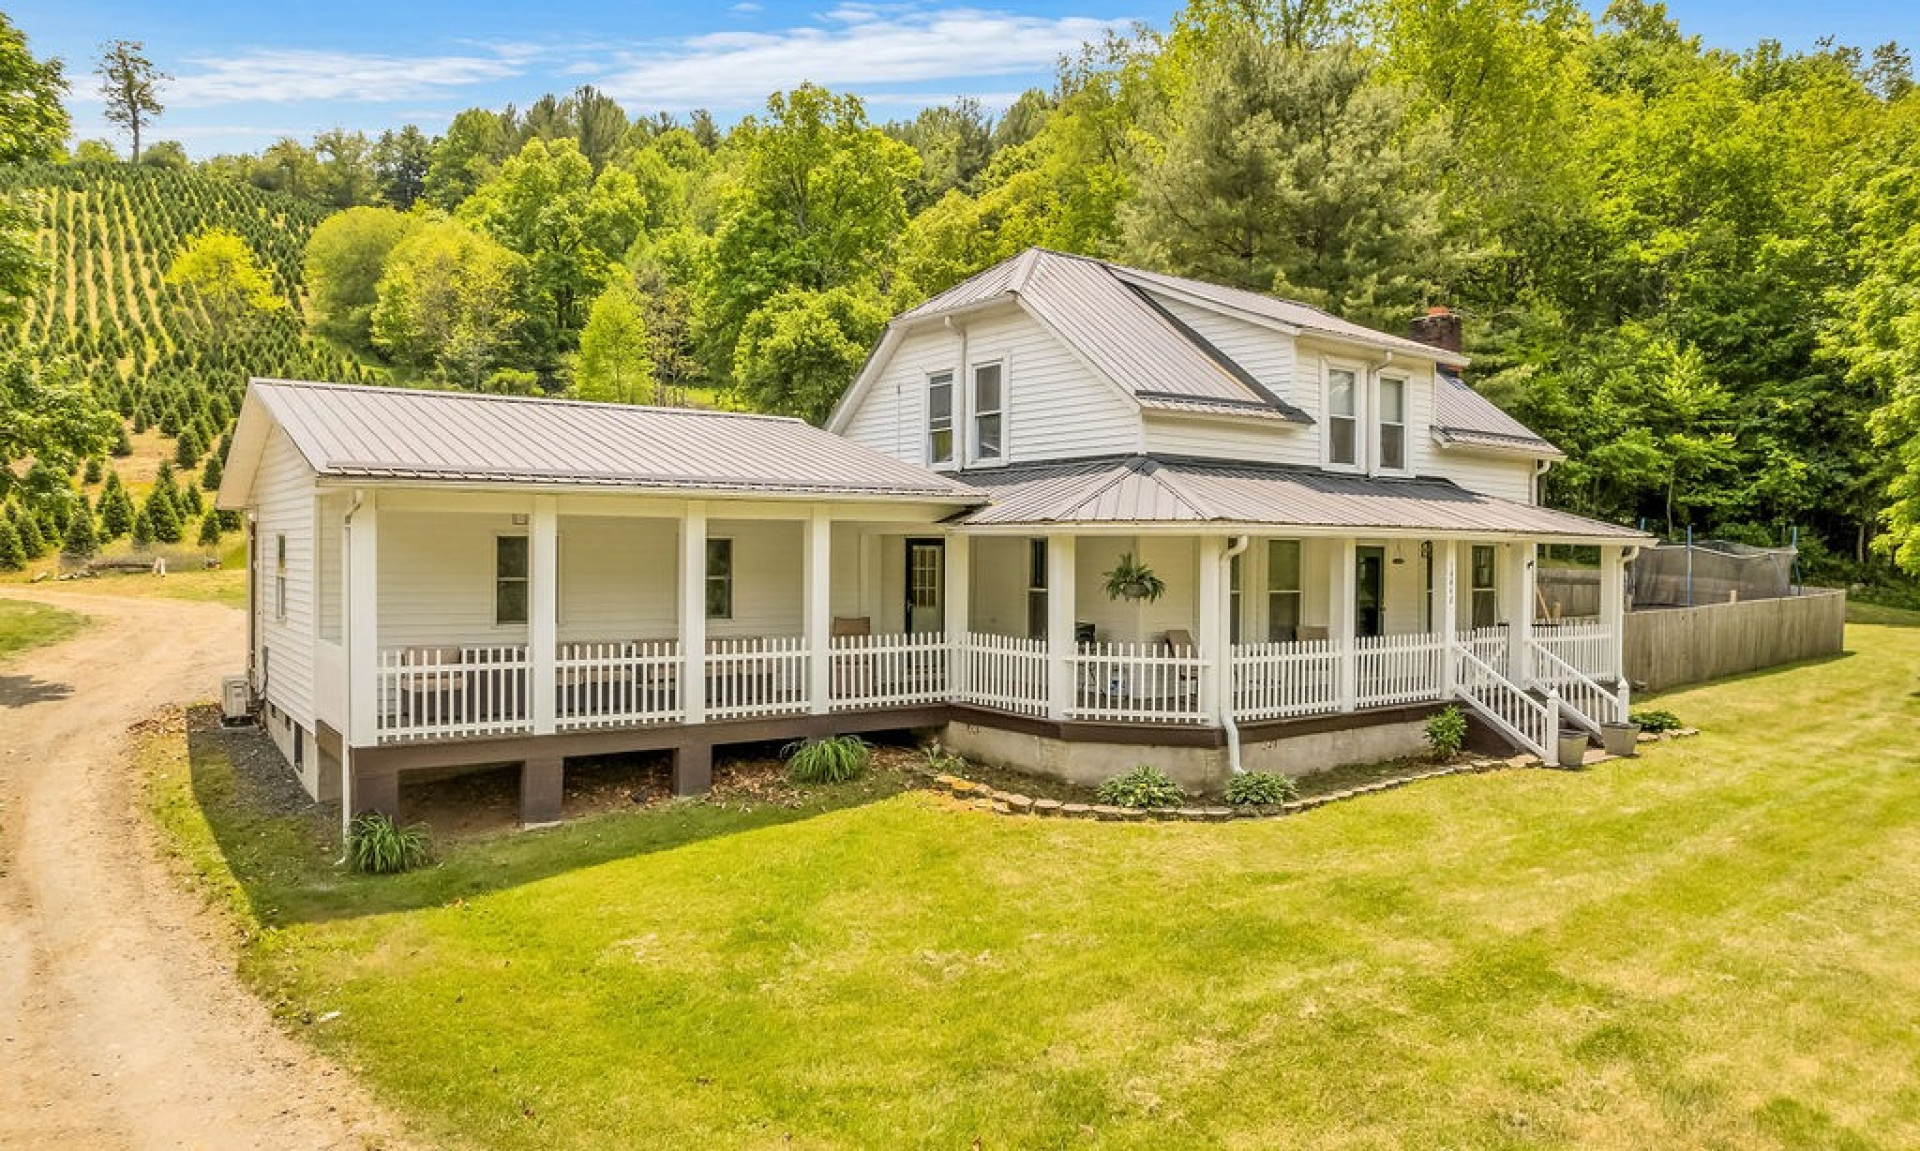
{"points": [[108, 232]]}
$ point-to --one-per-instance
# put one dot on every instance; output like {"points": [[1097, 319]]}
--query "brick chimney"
{"points": [[1439, 327]]}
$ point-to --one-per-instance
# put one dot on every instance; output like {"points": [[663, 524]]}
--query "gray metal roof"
{"points": [[1464, 416], [1172, 490], [399, 433]]}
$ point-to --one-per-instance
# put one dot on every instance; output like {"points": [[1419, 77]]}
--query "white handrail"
{"points": [[1137, 682], [1529, 722], [1581, 699], [1280, 680], [873, 671]]}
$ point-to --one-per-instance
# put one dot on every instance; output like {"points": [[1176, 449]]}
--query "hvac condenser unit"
{"points": [[234, 700]]}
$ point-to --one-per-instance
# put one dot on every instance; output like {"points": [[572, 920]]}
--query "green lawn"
{"points": [[1714, 945], [226, 585], [24, 625]]}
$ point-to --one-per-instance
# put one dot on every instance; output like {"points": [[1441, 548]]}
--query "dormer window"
{"points": [[1343, 418], [940, 419], [989, 418], [1393, 424]]}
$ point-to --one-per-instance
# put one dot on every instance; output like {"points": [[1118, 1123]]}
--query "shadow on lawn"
{"points": [[283, 850]]}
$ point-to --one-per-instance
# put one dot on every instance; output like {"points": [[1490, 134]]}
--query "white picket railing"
{"points": [[1137, 682], [1587, 645], [616, 684], [1002, 672], [1582, 700], [1278, 680], [1488, 644], [451, 692], [874, 671], [1397, 669], [757, 675], [1527, 721]]}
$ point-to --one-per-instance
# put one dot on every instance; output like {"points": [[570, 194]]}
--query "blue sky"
{"points": [[246, 73]]}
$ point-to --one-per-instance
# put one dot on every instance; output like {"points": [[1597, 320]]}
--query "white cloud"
{"points": [[745, 9], [855, 46], [294, 75]]}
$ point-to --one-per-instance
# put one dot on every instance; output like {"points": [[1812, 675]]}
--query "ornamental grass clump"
{"points": [[836, 759], [1144, 786], [377, 845], [1446, 734], [1261, 789]]}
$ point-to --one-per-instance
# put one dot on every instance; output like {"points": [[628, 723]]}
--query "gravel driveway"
{"points": [[121, 1022]]}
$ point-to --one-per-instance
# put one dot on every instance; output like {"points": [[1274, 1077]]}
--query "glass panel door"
{"points": [[1369, 613], [926, 563]]}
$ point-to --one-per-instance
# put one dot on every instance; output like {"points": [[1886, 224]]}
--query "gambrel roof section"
{"points": [[380, 433]]}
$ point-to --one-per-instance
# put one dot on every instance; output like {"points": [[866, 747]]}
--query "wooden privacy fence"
{"points": [[1667, 647]]}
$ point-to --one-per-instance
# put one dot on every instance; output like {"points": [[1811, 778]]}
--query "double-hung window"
{"points": [[1283, 590], [989, 411], [1393, 424], [1343, 418], [719, 579], [940, 418], [1486, 603], [1036, 589], [510, 579]]}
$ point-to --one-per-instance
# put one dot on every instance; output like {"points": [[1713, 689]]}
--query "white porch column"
{"points": [[1446, 611], [1342, 582], [1519, 604], [1060, 610], [816, 559], [1613, 606], [693, 611], [957, 607], [1215, 648], [543, 611], [362, 609]]}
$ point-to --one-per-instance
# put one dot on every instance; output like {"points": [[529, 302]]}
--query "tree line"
{"points": [[1687, 266]]}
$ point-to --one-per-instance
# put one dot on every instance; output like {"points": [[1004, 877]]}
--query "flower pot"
{"points": [[1573, 748], [1620, 738]]}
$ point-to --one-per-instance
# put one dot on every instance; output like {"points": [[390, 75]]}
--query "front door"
{"points": [[1370, 570], [926, 578]]}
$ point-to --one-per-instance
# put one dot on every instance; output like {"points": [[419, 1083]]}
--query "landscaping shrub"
{"points": [[1261, 789], [1144, 786], [835, 759], [940, 761], [1447, 733], [1656, 720], [378, 846]]}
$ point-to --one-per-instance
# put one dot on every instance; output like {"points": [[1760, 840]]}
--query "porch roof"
{"points": [[381, 433], [1147, 489]]}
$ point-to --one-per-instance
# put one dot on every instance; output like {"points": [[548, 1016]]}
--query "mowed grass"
{"points": [[24, 624], [1714, 945], [226, 585]]}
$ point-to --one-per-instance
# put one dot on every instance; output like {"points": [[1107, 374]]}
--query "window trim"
{"points": [[1475, 589], [726, 580], [1359, 417], [974, 411], [525, 581], [1380, 424], [942, 378]]}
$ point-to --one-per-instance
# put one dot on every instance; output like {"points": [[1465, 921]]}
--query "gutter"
{"points": [[1235, 547]]}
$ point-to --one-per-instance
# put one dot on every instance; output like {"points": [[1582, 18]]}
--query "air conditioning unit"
{"points": [[235, 700]]}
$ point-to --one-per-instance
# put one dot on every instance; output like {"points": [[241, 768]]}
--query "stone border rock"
{"points": [[983, 798]]}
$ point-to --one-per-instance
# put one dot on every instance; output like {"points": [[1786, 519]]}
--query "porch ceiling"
{"points": [[1146, 489]]}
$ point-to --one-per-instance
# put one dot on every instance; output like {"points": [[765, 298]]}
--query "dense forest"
{"points": [[1693, 269]]}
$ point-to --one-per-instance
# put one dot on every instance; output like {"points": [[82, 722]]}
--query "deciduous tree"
{"points": [[130, 87]]}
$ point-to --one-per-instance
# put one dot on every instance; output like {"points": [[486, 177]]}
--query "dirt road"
{"points": [[121, 1023]]}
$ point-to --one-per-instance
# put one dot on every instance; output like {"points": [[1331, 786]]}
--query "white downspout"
{"points": [[1235, 546], [346, 660], [1540, 468]]}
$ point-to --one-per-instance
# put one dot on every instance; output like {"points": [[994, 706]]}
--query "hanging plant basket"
{"points": [[1131, 580]]}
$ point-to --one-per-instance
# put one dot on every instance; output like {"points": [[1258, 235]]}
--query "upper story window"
{"points": [[989, 411], [280, 576], [1343, 418], [1393, 424], [940, 418], [510, 579]]}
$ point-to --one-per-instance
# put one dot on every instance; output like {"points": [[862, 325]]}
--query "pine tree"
{"points": [[92, 474], [13, 557], [192, 502], [116, 508], [211, 475], [31, 539], [123, 444], [142, 532], [187, 451], [163, 516], [210, 530], [81, 542]]}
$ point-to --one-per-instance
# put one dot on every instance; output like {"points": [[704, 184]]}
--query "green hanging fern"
{"points": [[1131, 579]]}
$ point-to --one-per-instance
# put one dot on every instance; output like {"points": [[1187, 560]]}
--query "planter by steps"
{"points": [[1620, 738], [1573, 748]]}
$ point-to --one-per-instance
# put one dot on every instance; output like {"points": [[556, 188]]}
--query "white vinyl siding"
{"points": [[1251, 441], [1265, 354], [619, 578], [285, 509], [1175, 559], [892, 418], [437, 578]]}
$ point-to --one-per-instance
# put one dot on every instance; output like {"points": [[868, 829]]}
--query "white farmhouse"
{"points": [[1077, 516]]}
